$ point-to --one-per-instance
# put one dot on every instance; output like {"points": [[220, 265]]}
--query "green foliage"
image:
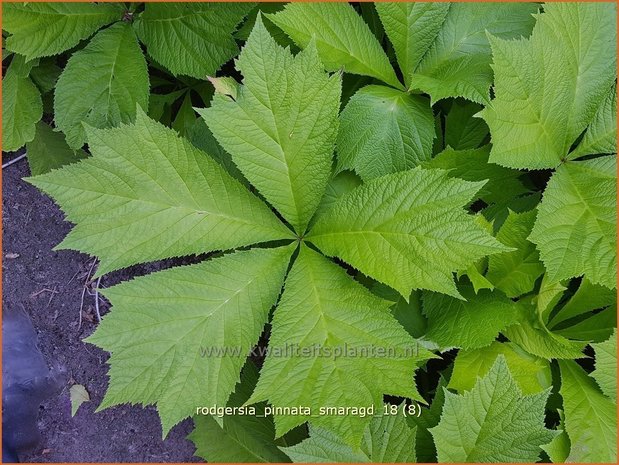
{"points": [[411, 200]]}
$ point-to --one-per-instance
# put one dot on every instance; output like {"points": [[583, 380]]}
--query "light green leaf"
{"points": [[281, 129], [576, 227], [340, 331], [601, 136], [469, 324], [338, 186], [500, 183], [22, 108], [147, 194], [463, 130], [493, 422], [531, 374], [548, 88], [559, 448], [411, 27], [49, 150], [342, 38], [78, 395], [403, 221], [515, 272], [168, 330], [606, 366], [590, 417], [587, 298], [597, 327], [387, 439], [242, 438], [44, 29], [101, 84], [457, 63], [383, 131], [193, 39]]}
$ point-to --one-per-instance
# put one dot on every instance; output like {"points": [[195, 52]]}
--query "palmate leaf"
{"points": [[281, 129], [322, 307], [44, 29], [163, 326], [383, 131], [101, 84], [147, 194], [403, 221], [469, 324], [576, 226], [343, 39], [493, 422], [590, 417], [548, 88], [605, 373], [387, 439], [22, 107], [193, 39], [443, 49]]}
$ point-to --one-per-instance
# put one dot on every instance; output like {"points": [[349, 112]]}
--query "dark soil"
{"points": [[49, 286]]}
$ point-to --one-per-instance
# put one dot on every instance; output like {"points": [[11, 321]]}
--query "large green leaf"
{"points": [[411, 27], [281, 128], [469, 324], [493, 422], [22, 108], [590, 417], [548, 88], [180, 337], [403, 221], [516, 272], [147, 194], [384, 130], [576, 226], [49, 150], [605, 373], [101, 84], [241, 438], [194, 39], [387, 439], [456, 63], [334, 344], [44, 29], [531, 374], [342, 38], [601, 135]]}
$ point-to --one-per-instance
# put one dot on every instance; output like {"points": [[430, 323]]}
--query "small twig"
{"points": [[79, 326], [97, 299], [53, 291], [14, 160]]}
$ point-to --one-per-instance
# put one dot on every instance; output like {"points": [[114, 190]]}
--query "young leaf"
{"points": [[342, 38], [544, 100], [387, 439], [457, 63], [383, 131], [531, 374], [500, 184], [601, 135], [493, 422], [404, 221], [147, 194], [587, 298], [322, 307], [605, 373], [281, 129], [411, 27], [163, 326], [515, 272], [193, 39], [469, 324], [44, 29], [49, 150], [239, 438], [576, 226], [101, 84], [590, 417], [22, 108]]}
